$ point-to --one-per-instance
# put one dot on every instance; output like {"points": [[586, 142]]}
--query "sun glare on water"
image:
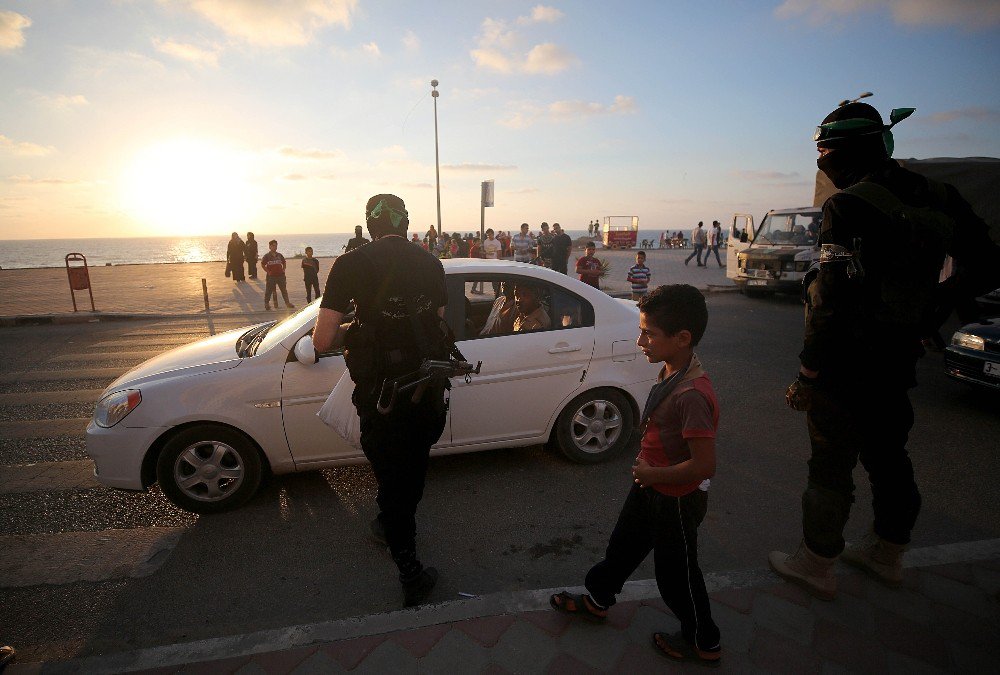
{"points": [[187, 187]]}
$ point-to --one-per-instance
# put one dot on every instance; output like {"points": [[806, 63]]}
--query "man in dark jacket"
{"points": [[398, 294], [250, 255], [357, 240], [883, 241]]}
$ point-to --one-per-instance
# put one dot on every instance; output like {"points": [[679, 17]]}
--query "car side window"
{"points": [[486, 305]]}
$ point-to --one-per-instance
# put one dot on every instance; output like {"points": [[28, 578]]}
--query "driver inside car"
{"points": [[530, 313]]}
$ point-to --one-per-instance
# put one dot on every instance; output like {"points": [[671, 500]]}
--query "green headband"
{"points": [[853, 127], [396, 216]]}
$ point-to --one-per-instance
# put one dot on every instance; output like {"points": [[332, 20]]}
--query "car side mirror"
{"points": [[304, 351]]}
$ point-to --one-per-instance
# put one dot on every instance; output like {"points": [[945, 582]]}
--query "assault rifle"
{"points": [[431, 371]]}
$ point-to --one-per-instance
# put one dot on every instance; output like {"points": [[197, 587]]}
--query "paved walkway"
{"points": [[945, 618], [35, 295]]}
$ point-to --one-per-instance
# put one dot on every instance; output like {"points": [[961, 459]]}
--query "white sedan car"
{"points": [[209, 419]]}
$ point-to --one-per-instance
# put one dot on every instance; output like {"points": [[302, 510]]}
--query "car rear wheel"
{"points": [[595, 426], [209, 468]]}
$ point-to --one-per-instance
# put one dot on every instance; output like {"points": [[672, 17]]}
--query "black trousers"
{"points": [[559, 264], [272, 285], [871, 422], [312, 284], [667, 526], [398, 446]]}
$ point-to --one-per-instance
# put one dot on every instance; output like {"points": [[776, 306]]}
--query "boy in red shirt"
{"points": [[669, 496], [589, 267]]}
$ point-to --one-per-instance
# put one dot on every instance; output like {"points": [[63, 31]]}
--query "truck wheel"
{"points": [[209, 468], [595, 426]]}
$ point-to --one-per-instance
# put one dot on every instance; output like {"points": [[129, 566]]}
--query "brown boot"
{"points": [[880, 558], [813, 572]]}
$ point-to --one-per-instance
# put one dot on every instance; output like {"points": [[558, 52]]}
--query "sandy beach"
{"points": [[176, 289]]}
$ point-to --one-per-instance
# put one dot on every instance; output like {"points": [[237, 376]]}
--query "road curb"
{"points": [[428, 615]]}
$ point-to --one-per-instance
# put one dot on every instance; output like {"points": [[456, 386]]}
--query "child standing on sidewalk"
{"points": [[638, 276], [669, 496], [310, 274]]}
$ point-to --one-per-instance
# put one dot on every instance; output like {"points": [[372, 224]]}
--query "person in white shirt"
{"points": [[491, 246], [714, 239], [698, 240]]}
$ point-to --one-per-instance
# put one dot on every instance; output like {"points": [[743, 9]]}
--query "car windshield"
{"points": [[794, 229], [277, 332]]}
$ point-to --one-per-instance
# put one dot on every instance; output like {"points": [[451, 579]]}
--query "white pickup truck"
{"points": [[775, 256]]}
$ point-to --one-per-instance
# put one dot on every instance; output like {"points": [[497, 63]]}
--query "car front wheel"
{"points": [[595, 426], [209, 468]]}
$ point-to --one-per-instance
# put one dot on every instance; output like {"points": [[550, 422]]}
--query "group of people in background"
{"points": [[702, 239], [239, 252], [551, 248]]}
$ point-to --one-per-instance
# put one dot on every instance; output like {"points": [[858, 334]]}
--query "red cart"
{"points": [[620, 231]]}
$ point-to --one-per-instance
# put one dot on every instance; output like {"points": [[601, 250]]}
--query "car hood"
{"points": [[988, 329], [204, 356]]}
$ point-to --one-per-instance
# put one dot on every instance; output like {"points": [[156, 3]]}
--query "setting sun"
{"points": [[186, 187]]}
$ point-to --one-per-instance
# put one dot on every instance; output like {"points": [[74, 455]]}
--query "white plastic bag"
{"points": [[339, 413]]}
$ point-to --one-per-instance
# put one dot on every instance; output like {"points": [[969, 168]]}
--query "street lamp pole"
{"points": [[437, 165]]}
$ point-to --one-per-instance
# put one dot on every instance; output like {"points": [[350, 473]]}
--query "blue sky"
{"points": [[162, 117]]}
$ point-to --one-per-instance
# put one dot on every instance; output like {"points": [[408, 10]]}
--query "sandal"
{"points": [[577, 604], [7, 654], [675, 647]]}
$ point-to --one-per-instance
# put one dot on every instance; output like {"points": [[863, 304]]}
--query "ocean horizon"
{"points": [[33, 253]]}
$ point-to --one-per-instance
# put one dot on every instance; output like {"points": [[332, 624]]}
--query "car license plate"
{"points": [[763, 282], [992, 368]]}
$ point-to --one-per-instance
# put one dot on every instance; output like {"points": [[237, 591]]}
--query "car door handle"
{"points": [[563, 347]]}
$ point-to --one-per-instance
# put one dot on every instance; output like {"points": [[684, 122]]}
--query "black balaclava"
{"points": [[852, 155], [386, 214]]}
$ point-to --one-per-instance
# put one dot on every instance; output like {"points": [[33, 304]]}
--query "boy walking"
{"points": [[669, 496], [310, 274], [638, 276]]}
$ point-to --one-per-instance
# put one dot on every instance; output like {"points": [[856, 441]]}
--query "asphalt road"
{"points": [[496, 521]]}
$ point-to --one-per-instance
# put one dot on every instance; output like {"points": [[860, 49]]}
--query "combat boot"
{"points": [[880, 558], [416, 590], [811, 571]]}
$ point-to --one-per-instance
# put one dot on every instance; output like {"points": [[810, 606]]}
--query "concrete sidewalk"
{"points": [[945, 618], [42, 295]]}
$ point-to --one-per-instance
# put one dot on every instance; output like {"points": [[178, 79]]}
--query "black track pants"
{"points": [[667, 526]]}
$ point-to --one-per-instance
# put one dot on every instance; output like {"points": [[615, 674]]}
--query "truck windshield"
{"points": [[790, 229]]}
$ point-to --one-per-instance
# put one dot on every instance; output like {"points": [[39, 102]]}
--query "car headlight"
{"points": [[114, 407], [788, 265], [968, 341]]}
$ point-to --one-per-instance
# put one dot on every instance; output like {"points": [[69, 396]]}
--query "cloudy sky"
{"points": [[165, 117]]}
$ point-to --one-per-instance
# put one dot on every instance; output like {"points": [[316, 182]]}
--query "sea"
{"points": [[28, 253]]}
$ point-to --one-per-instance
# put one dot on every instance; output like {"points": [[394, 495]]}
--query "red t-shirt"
{"points": [[689, 411], [273, 263], [588, 263]]}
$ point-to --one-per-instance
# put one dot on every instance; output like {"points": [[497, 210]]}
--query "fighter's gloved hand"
{"points": [[799, 394]]}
